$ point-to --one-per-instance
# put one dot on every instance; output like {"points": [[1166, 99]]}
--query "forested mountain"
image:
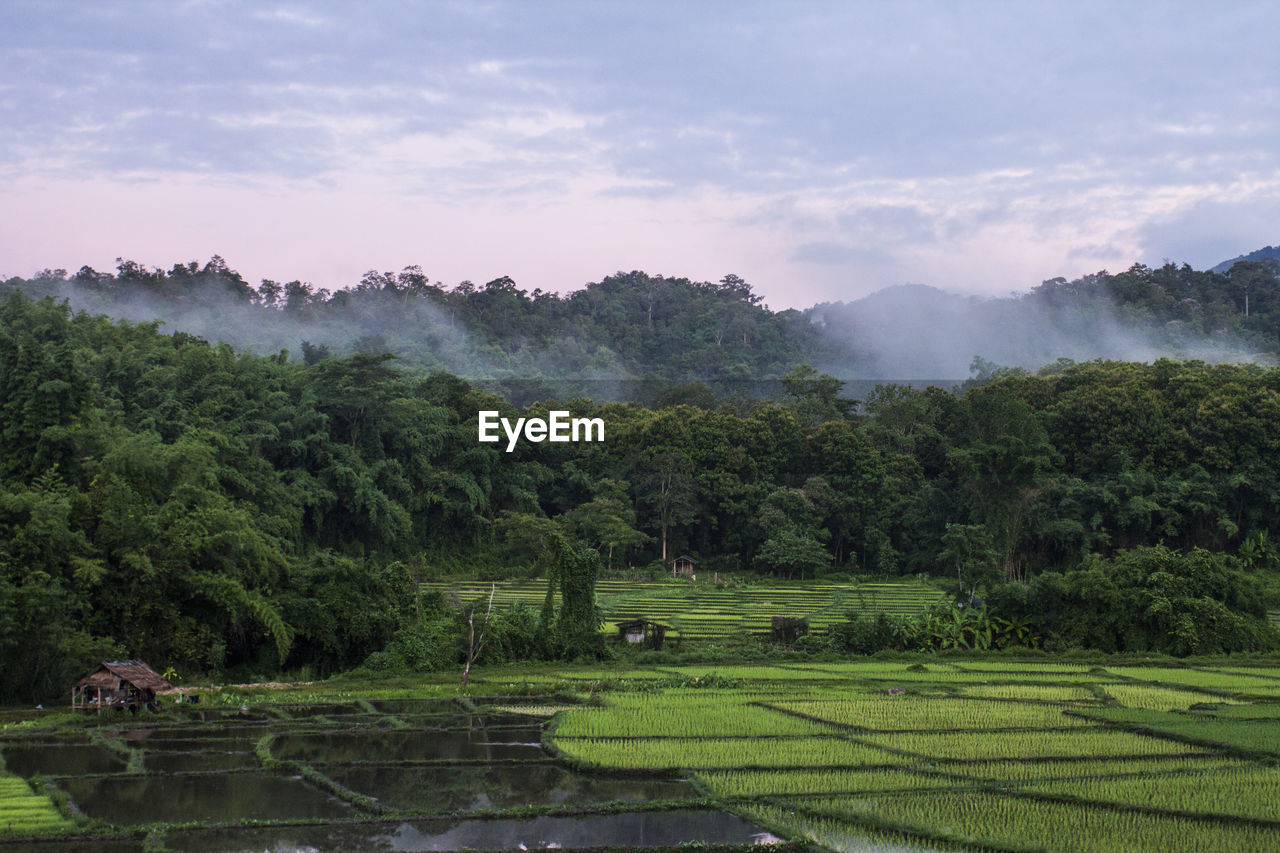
{"points": [[654, 330], [1266, 253], [168, 498]]}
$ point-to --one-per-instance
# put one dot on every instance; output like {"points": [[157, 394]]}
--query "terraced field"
{"points": [[24, 812], [985, 755], [701, 611]]}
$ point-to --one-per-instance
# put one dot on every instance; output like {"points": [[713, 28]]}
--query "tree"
{"points": [[789, 518], [665, 485], [968, 548], [476, 639], [607, 520]]}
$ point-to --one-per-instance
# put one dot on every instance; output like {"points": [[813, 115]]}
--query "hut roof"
{"points": [[639, 623], [110, 673], [688, 557]]}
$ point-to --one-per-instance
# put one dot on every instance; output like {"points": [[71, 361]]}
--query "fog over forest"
{"points": [[634, 326]]}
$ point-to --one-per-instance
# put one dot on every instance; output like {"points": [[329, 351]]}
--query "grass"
{"points": [[747, 783], [1024, 822], [1246, 792], [880, 712], [1248, 735], [644, 715], [1027, 744], [1031, 692], [1225, 681], [24, 812], [723, 753], [1158, 698], [1022, 771], [699, 611]]}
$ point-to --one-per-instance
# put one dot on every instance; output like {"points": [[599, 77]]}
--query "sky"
{"points": [[820, 150]]}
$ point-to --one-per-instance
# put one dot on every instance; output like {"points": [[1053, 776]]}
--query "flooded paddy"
{"points": [[390, 774], [58, 759], [217, 797], [408, 745], [441, 790], [637, 829], [198, 762]]}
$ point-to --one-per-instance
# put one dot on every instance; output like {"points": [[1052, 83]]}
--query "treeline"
{"points": [[635, 326], [167, 498], [626, 326]]}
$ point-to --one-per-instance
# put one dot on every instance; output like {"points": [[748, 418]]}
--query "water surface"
{"points": [[443, 790], [131, 800], [647, 829]]}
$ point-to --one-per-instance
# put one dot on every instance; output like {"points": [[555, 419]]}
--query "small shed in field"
{"points": [[119, 684], [643, 631], [684, 565]]}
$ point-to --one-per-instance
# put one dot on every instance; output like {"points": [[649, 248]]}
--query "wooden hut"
{"points": [[684, 565], [119, 684], [637, 631]]}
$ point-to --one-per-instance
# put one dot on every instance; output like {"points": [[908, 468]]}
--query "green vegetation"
{"points": [[997, 772], [723, 753], [1023, 822], [948, 746], [1251, 734], [23, 812], [1244, 792], [702, 611], [835, 759], [1158, 698], [236, 515], [906, 713]]}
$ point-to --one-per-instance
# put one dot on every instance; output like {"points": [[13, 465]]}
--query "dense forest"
{"points": [[630, 335], [208, 508]]}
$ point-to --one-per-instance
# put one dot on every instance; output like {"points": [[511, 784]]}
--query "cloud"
{"points": [[965, 144]]}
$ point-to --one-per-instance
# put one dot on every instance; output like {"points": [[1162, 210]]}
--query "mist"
{"points": [[633, 336], [917, 332]]}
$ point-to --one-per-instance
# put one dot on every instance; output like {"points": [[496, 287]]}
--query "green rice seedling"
{"points": [[842, 835], [963, 677], [534, 710], [755, 783], [1158, 698], [1027, 744], [759, 673], [24, 812], [668, 715], [874, 667], [724, 753], [1022, 666], [1259, 671], [1031, 692], [1262, 711], [1255, 735], [1245, 792], [1022, 770], [881, 712], [1225, 681], [1022, 822]]}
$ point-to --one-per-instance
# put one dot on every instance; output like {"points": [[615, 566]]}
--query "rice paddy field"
{"points": [[699, 611], [966, 755], [908, 756]]}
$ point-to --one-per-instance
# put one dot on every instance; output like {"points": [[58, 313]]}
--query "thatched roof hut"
{"points": [[119, 684]]}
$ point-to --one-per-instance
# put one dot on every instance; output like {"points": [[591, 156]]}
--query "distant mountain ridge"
{"points": [[1263, 254]]}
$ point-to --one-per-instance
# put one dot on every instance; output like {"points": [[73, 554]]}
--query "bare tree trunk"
{"points": [[471, 645], [475, 645]]}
